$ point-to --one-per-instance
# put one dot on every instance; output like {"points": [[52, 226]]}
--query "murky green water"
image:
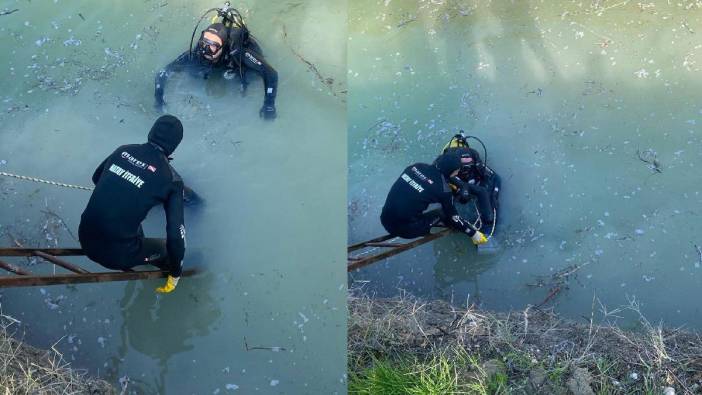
{"points": [[564, 94], [78, 82]]}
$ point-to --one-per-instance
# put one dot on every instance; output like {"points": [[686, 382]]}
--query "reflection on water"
{"points": [[590, 112], [145, 314], [458, 268], [80, 83]]}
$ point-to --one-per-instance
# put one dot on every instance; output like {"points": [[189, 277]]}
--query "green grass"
{"points": [[603, 384], [410, 376], [439, 375], [557, 373], [519, 360]]}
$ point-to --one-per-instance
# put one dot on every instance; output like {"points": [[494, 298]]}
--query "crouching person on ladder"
{"points": [[131, 181], [407, 211]]}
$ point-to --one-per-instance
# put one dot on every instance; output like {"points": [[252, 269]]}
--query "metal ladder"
{"points": [[374, 250], [77, 275]]}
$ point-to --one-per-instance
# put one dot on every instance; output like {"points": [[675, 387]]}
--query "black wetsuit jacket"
{"points": [[131, 181], [478, 181], [419, 186], [237, 55]]}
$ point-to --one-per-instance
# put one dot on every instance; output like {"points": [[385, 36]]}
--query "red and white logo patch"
{"points": [[152, 169]]}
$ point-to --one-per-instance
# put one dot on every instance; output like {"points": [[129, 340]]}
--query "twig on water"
{"points": [[8, 12], [274, 349], [14, 239], [375, 125], [49, 212], [328, 81], [554, 292], [407, 21], [650, 158]]}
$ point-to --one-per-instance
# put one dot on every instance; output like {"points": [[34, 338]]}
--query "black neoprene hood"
{"points": [[220, 30], [167, 133], [448, 163]]}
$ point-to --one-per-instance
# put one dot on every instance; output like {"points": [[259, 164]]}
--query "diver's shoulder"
{"points": [[419, 165]]}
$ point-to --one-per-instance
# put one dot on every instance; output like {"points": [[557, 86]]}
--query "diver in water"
{"points": [[421, 185], [475, 180], [227, 47], [131, 181]]}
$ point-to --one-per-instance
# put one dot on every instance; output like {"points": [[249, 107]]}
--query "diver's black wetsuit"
{"points": [[485, 189], [132, 180], [419, 186], [480, 182], [239, 55]]}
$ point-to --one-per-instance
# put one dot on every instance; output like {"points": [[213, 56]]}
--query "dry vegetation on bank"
{"points": [[27, 370], [405, 345]]}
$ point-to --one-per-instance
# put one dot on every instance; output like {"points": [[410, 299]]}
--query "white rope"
{"points": [[54, 183], [479, 219]]}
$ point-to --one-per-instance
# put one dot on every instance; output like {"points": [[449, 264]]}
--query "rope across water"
{"points": [[39, 180]]}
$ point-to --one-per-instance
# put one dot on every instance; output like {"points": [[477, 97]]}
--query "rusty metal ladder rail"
{"points": [[357, 262], [79, 275]]}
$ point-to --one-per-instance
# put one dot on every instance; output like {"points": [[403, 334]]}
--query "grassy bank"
{"points": [[27, 370], [409, 346]]}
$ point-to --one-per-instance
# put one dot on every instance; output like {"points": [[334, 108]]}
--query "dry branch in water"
{"points": [[327, 81], [556, 282]]}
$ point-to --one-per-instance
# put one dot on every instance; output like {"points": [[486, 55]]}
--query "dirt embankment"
{"points": [[406, 342], [28, 370]]}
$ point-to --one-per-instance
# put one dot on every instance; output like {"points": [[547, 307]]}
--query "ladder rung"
{"points": [[388, 245], [61, 262], [14, 269]]}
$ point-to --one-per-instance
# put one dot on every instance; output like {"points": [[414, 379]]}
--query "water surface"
{"points": [[78, 83], [570, 97]]}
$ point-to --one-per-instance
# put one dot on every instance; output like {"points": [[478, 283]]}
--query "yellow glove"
{"points": [[479, 238], [169, 286]]}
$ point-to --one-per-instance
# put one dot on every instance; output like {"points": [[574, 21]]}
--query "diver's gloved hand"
{"points": [[169, 286], [479, 238], [190, 197], [463, 195]]}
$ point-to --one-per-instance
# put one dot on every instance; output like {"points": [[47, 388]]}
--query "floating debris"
{"points": [[42, 41], [72, 42], [327, 81], [8, 11], [124, 383], [250, 348], [641, 73], [650, 157], [407, 19]]}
